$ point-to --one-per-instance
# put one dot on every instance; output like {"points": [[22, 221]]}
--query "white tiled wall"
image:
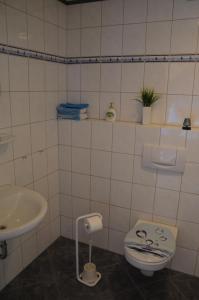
{"points": [[101, 170], [29, 92], [126, 27]]}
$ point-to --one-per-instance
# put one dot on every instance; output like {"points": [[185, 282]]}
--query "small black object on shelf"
{"points": [[187, 124]]}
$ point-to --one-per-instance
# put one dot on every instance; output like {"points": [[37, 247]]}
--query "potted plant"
{"points": [[147, 97]]}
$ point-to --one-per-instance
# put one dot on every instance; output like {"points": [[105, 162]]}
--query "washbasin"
{"points": [[21, 210]]}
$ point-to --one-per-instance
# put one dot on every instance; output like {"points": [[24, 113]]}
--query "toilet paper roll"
{"points": [[93, 224]]}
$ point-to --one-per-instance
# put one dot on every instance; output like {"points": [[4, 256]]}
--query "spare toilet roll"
{"points": [[93, 224]]}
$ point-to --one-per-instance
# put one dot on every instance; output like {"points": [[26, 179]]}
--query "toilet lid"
{"points": [[146, 258], [156, 237]]}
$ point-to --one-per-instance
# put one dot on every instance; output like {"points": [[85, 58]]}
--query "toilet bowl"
{"points": [[148, 262]]}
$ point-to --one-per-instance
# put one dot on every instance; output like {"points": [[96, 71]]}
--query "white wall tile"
{"points": [[35, 34], [188, 207], [123, 138], [110, 77], [66, 227], [35, 8], [4, 77], [91, 14], [194, 111], [39, 160], [73, 77], [169, 180], [64, 127], [81, 160], [66, 207], [143, 198], [90, 77], [112, 12], [3, 33], [53, 184], [81, 134], [5, 116], [100, 189], [22, 141], [51, 11], [159, 10], [119, 218], [189, 179], [172, 136], [181, 78], [184, 260], [51, 38], [81, 185], [122, 167], [29, 250], [158, 38], [132, 77], [134, 39], [192, 146], [7, 175], [178, 108], [101, 163], [23, 171], [73, 42], [156, 76], [143, 175], [146, 135], [101, 135], [52, 157], [38, 136], [80, 207], [166, 203], [184, 36], [19, 108], [87, 35], [51, 133], [116, 241], [37, 106], [17, 28], [18, 83], [184, 9], [131, 109], [188, 235], [121, 193], [111, 41], [135, 11], [36, 75], [65, 154], [73, 16]]}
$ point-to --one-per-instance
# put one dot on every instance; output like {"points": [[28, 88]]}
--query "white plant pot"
{"points": [[146, 115]]}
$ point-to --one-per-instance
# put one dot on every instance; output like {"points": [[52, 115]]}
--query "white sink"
{"points": [[21, 210]]}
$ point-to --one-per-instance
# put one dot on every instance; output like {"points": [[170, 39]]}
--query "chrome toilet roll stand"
{"points": [[89, 276]]}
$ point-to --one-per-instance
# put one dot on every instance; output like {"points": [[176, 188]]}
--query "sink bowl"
{"points": [[21, 210]]}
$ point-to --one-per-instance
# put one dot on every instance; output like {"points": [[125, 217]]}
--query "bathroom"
{"points": [[99, 52]]}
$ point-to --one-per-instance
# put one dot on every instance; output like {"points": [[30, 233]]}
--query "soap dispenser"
{"points": [[111, 113]]}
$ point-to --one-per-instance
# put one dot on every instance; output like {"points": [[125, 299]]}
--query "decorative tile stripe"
{"points": [[7, 49]]}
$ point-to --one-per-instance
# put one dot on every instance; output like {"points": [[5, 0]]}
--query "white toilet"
{"points": [[148, 262]]}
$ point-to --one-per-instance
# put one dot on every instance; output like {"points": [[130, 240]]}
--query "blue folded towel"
{"points": [[74, 111]]}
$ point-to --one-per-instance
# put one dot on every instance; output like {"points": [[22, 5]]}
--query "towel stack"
{"points": [[72, 111]]}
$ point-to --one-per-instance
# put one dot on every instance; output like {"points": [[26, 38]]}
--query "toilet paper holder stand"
{"points": [[80, 277]]}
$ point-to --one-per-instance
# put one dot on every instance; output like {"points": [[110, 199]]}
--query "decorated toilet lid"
{"points": [[147, 258], [151, 242]]}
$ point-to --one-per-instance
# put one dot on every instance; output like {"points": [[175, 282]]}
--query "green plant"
{"points": [[148, 96]]}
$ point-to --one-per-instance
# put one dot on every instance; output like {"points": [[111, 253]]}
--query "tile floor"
{"points": [[52, 276]]}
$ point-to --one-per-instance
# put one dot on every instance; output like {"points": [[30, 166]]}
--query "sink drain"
{"points": [[2, 227]]}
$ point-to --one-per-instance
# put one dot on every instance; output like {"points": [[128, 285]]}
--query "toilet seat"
{"points": [[148, 261], [146, 258]]}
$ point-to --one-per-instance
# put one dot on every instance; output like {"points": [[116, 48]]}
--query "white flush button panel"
{"points": [[164, 158]]}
